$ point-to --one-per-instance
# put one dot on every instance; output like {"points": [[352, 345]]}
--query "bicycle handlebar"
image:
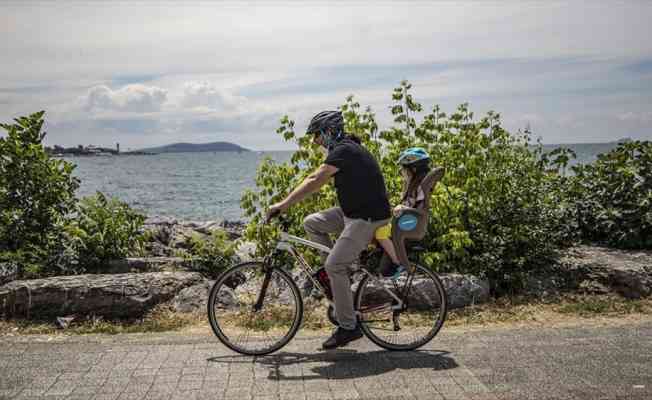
{"points": [[285, 224], [273, 215]]}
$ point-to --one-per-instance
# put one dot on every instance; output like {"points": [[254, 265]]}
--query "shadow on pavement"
{"points": [[346, 364]]}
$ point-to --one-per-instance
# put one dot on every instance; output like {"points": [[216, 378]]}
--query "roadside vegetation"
{"points": [[502, 312], [503, 211], [505, 207], [46, 231]]}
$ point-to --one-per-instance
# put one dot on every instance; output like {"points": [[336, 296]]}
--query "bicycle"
{"points": [[255, 308]]}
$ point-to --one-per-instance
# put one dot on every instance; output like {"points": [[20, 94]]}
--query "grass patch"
{"points": [[528, 310], [503, 311], [160, 319], [589, 306]]}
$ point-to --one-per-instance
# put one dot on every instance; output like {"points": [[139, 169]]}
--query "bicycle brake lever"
{"points": [[285, 224], [272, 215]]}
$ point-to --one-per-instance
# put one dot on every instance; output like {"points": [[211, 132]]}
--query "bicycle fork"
{"points": [[263, 291]]}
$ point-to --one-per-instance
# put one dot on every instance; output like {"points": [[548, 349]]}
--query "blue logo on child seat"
{"points": [[407, 222]]}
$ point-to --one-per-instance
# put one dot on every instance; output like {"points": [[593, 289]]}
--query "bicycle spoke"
{"points": [[419, 319], [239, 325]]}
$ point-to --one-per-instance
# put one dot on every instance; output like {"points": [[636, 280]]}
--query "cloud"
{"points": [[217, 69], [205, 95], [131, 98], [638, 117]]}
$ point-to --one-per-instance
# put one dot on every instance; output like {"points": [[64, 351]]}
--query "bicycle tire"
{"points": [[366, 325], [226, 279]]}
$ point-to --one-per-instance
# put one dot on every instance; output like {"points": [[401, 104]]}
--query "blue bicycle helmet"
{"points": [[413, 155]]}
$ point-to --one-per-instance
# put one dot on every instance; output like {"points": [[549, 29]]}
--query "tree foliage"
{"points": [[210, 255], [499, 211], [36, 193], [104, 229], [613, 196]]}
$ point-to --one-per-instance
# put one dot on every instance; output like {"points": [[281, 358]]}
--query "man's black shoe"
{"points": [[341, 337]]}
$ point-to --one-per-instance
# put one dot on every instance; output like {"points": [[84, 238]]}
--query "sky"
{"points": [[147, 74]]}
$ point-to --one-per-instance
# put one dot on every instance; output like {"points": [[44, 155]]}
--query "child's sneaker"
{"points": [[393, 271]]}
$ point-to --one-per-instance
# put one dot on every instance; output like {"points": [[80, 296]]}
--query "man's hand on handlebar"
{"points": [[275, 210]]}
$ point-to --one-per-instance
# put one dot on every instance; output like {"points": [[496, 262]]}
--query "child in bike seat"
{"points": [[415, 165]]}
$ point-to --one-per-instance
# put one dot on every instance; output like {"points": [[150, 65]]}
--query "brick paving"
{"points": [[499, 364]]}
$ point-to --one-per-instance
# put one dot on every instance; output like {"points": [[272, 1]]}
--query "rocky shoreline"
{"points": [[133, 286]]}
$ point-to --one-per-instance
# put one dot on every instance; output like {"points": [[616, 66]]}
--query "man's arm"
{"points": [[311, 184]]}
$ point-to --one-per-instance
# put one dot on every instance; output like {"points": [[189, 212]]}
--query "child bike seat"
{"points": [[412, 224]]}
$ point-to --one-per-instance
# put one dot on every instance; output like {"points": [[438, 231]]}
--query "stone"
{"points": [[146, 264], [207, 227], [245, 251], [461, 291], [118, 295], [157, 249], [193, 298], [592, 287], [160, 220], [233, 228], [596, 269], [544, 285], [168, 235], [464, 290], [182, 236], [64, 322], [8, 272]]}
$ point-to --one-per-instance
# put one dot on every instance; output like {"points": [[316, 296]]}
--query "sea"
{"points": [[200, 186]]}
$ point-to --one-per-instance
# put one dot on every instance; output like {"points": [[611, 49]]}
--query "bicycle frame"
{"points": [[285, 244]]}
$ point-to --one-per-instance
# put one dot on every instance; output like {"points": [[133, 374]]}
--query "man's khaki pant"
{"points": [[355, 235]]}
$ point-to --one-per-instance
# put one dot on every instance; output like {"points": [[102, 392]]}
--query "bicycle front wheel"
{"points": [[409, 327], [255, 310]]}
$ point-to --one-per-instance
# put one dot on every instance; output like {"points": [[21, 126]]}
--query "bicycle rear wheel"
{"points": [[409, 327], [255, 310]]}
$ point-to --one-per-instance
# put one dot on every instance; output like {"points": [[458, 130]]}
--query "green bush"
{"points": [[613, 197], [210, 255], [104, 229], [36, 193], [499, 211]]}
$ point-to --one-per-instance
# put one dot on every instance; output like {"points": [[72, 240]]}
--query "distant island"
{"points": [[195, 148], [91, 150]]}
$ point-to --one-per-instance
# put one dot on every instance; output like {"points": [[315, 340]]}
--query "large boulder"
{"points": [[628, 273], [146, 264], [167, 236], [461, 291], [119, 295], [245, 251], [193, 298], [8, 272], [464, 290], [596, 270]]}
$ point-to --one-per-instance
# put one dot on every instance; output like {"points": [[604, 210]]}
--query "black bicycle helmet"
{"points": [[329, 124]]}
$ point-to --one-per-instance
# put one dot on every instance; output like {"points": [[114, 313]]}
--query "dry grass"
{"points": [[501, 312], [566, 309], [160, 319]]}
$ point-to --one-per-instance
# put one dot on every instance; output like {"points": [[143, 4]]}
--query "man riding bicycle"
{"points": [[363, 207]]}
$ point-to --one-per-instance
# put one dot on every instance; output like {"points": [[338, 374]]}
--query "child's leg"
{"points": [[388, 246]]}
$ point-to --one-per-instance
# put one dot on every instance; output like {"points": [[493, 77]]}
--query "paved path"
{"points": [[560, 363]]}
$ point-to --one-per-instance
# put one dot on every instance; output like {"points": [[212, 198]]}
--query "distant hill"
{"points": [[194, 147]]}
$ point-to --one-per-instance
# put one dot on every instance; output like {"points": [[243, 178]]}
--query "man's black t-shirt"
{"points": [[359, 183]]}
